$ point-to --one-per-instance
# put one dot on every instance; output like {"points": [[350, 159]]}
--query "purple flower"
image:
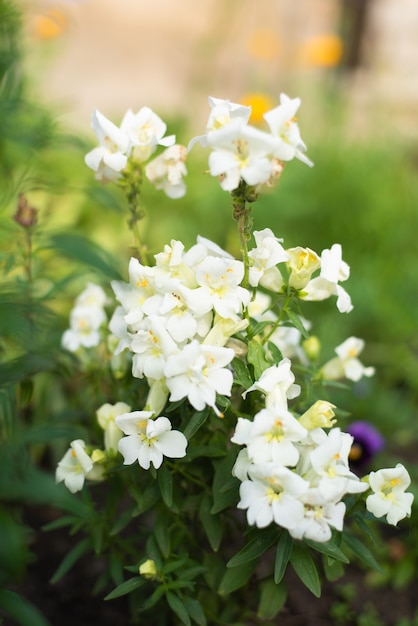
{"points": [[367, 442]]}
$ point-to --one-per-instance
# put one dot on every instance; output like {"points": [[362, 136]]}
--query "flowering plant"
{"points": [[220, 451]]}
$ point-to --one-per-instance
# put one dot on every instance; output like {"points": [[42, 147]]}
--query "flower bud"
{"points": [[25, 216], [319, 415], [148, 570], [312, 347]]}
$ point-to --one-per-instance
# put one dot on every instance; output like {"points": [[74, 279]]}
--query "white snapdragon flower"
{"points": [[106, 415], [389, 495], [346, 364], [277, 383], [85, 322], [167, 170], [283, 125], [320, 515], [110, 157], [181, 322], [273, 496], [145, 131], [330, 470], [92, 296], [220, 289], [149, 440], [140, 291], [267, 254], [151, 345], [74, 466], [240, 152], [270, 437], [222, 113], [198, 373], [333, 271]]}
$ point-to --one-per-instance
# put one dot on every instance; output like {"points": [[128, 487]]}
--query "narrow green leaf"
{"points": [[126, 587], [236, 577], [272, 599], [361, 551], [330, 549], [211, 523], [333, 569], [275, 352], [196, 421], [255, 547], [283, 552], [257, 357], [165, 482], [70, 559], [242, 374], [162, 534], [178, 607], [20, 610], [297, 323], [223, 472], [194, 608], [83, 250], [306, 569]]}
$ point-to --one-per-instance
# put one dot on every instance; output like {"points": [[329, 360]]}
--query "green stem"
{"points": [[131, 184], [242, 215]]}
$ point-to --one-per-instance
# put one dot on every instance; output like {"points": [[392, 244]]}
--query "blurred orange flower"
{"points": [[322, 51], [50, 25], [260, 103]]}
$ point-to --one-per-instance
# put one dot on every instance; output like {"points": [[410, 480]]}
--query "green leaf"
{"points": [[70, 559], [236, 577], [257, 357], [165, 482], [194, 608], [83, 250], [275, 352], [255, 547], [196, 421], [126, 587], [162, 535], [333, 569], [297, 323], [178, 607], [211, 523], [362, 552], [328, 548], [272, 599], [283, 552], [20, 610], [306, 569], [223, 471], [242, 374]]}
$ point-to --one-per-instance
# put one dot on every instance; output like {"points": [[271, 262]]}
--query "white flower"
{"points": [[346, 364], [110, 158], [273, 496], [268, 253], [166, 171], [74, 466], [85, 322], [319, 515], [281, 121], [277, 383], [389, 497], [222, 112], [149, 440], [219, 281], [152, 345], [270, 437], [198, 373], [145, 131], [92, 296], [106, 415], [140, 290], [240, 152], [333, 271], [319, 415]]}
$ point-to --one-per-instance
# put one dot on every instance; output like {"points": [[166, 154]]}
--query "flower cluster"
{"points": [[207, 333], [243, 152], [135, 141]]}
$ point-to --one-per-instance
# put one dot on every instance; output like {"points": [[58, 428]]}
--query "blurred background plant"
{"points": [[58, 228]]}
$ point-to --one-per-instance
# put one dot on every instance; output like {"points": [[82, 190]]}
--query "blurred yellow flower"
{"points": [[260, 103], [264, 44], [322, 51], [50, 25]]}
